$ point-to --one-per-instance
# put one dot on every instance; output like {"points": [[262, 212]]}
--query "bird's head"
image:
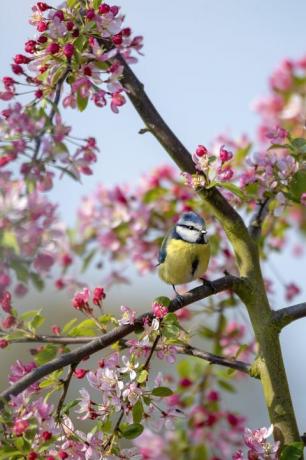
{"points": [[191, 228]]}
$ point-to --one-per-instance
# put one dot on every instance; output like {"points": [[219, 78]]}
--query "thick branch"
{"points": [[285, 316], [261, 212], [199, 293]]}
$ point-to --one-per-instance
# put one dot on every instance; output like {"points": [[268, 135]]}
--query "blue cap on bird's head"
{"points": [[191, 218]]}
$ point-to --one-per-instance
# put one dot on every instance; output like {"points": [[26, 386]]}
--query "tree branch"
{"points": [[230, 219], [285, 316], [199, 293], [261, 212]]}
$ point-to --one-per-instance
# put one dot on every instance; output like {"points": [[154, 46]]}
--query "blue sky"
{"points": [[204, 63]]}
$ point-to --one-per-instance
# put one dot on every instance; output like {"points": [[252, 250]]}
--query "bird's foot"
{"points": [[208, 284], [179, 298]]}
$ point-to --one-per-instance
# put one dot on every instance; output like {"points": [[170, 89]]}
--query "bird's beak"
{"points": [[204, 233]]}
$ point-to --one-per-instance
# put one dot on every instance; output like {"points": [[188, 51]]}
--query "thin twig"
{"points": [[66, 384]]}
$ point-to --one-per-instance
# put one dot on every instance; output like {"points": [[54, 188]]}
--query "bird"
{"points": [[185, 251]]}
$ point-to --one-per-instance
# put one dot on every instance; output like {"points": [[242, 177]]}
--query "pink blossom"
{"points": [[225, 155], [292, 290], [151, 446], [303, 199], [43, 261], [6, 302], [118, 100], [159, 310], [81, 299], [128, 316], [98, 296], [20, 426]]}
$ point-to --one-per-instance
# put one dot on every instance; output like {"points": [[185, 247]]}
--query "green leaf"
{"points": [[52, 379], [184, 368], [81, 102], [36, 322], [226, 386], [163, 300], [297, 185], [21, 270], [87, 259], [299, 144], [37, 281], [143, 376], [232, 188], [162, 392], [154, 194], [138, 412], [81, 42], [96, 3], [132, 431], [71, 3], [68, 326], [293, 451], [69, 405], [200, 453], [86, 327], [46, 354], [9, 240]]}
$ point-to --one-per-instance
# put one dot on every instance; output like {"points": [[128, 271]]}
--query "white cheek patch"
{"points": [[186, 234]]}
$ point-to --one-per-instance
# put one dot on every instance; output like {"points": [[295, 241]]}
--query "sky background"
{"points": [[204, 63]]}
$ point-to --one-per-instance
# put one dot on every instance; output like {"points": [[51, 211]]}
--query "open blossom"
{"points": [[128, 316], [129, 367], [259, 448]]}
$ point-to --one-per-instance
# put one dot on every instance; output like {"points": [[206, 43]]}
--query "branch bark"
{"points": [[285, 316], [199, 293], [261, 212]]}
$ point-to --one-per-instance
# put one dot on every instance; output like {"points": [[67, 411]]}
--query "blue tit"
{"points": [[185, 251]]}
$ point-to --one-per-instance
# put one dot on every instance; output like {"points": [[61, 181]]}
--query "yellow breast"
{"points": [[184, 262]]}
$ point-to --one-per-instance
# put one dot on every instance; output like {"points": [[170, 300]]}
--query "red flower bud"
{"points": [[115, 10], [42, 26], [75, 33], [59, 14], [56, 330], [104, 8], [80, 373], [201, 151], [32, 456], [53, 48], [90, 14], [39, 94], [46, 435], [87, 71], [42, 39], [69, 25], [17, 69], [68, 50], [43, 6], [98, 295], [117, 39], [21, 59], [30, 46], [126, 32], [3, 343], [62, 455]]}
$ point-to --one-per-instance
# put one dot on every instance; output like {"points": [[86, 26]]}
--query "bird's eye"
{"points": [[191, 227]]}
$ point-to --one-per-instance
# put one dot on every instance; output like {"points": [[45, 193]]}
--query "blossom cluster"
{"points": [[31, 235], [76, 46]]}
